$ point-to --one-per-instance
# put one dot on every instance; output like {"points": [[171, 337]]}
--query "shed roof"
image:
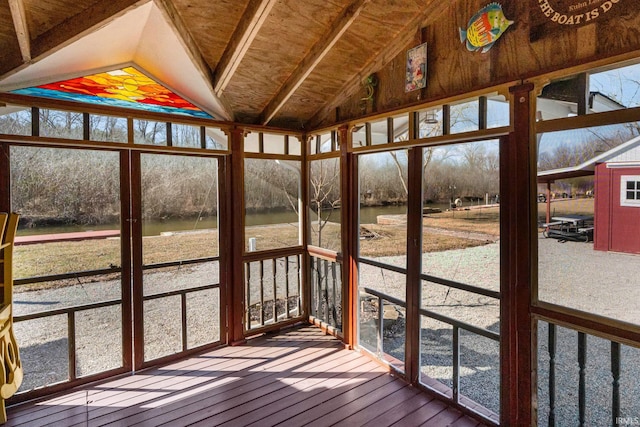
{"points": [[619, 154]]}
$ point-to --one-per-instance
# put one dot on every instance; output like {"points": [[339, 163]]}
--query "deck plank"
{"points": [[400, 411], [301, 376]]}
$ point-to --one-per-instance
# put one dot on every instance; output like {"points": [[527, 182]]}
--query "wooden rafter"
{"points": [[391, 50], [22, 29], [174, 19], [77, 26], [71, 30], [248, 27], [317, 53]]}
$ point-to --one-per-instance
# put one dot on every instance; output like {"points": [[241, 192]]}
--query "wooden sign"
{"points": [[549, 16]]}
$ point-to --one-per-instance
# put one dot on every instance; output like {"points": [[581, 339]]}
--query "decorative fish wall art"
{"points": [[484, 28]]}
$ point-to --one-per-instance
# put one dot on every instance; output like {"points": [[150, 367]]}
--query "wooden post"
{"points": [[518, 231], [349, 220], [304, 196], [225, 240], [235, 301], [135, 224], [125, 259], [414, 265]]}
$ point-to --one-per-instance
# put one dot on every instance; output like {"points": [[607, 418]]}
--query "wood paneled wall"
{"points": [[533, 46]]}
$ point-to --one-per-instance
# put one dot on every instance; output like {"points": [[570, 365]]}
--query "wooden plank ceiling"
{"points": [[287, 63]]}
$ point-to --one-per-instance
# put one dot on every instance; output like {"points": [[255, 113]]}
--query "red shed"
{"points": [[616, 192]]}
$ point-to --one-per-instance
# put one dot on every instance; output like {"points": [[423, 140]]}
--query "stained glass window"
{"points": [[125, 88]]}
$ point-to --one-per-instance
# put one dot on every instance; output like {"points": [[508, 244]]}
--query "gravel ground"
{"points": [[571, 274]]}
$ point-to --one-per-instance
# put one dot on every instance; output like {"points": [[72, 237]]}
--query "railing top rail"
{"points": [[461, 286], [327, 254], [272, 254]]}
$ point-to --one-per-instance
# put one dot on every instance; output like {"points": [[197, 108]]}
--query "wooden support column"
{"points": [[235, 297], [225, 241], [5, 179], [134, 222], [350, 197], [414, 263], [305, 179], [518, 234], [125, 257]]}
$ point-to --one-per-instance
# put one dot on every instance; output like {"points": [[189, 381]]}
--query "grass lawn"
{"points": [[67, 257]]}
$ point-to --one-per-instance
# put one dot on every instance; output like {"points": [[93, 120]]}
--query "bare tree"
{"points": [[325, 191]]}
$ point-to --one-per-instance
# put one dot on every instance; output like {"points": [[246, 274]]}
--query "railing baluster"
{"points": [[615, 392], [247, 269], [261, 292], [298, 287], [334, 316], [274, 266], [552, 374], [286, 287], [325, 296], [318, 289], [380, 325], [582, 363], [183, 306], [456, 363], [71, 329]]}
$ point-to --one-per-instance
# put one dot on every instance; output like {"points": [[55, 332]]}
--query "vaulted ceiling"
{"points": [[278, 62]]}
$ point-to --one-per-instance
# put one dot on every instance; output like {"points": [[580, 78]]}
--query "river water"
{"points": [[155, 227]]}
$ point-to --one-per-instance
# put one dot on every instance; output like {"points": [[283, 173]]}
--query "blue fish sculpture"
{"points": [[484, 28]]}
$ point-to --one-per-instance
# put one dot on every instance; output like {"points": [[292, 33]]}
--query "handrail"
{"points": [[325, 254], [101, 272], [461, 286], [378, 264], [272, 253]]}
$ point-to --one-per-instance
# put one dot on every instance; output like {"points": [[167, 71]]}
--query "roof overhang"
{"points": [[586, 168]]}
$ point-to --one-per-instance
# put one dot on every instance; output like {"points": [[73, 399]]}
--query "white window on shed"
{"points": [[630, 190]]}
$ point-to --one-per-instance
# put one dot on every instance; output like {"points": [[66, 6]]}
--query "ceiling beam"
{"points": [[71, 30], [22, 29], [383, 58], [309, 63], [82, 23], [252, 20]]}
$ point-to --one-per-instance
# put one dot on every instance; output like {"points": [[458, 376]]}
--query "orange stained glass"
{"points": [[126, 87]]}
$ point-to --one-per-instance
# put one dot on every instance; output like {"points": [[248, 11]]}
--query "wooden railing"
{"points": [[452, 394], [326, 289], [608, 363], [71, 311], [381, 299], [273, 289]]}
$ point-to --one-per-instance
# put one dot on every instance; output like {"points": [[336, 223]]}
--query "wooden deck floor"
{"points": [[300, 377]]}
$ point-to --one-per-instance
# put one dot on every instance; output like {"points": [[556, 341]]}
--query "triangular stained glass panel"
{"points": [[125, 88]]}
